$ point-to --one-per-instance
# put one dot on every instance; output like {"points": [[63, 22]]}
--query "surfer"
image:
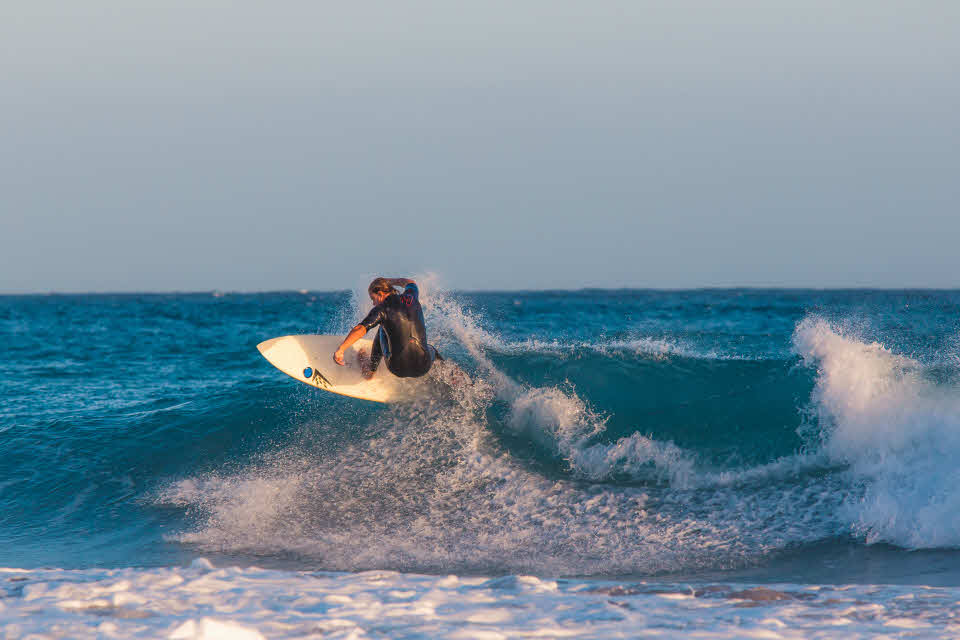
{"points": [[402, 338]]}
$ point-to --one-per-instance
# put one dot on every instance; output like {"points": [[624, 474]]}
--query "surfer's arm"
{"points": [[355, 334], [373, 318], [409, 288]]}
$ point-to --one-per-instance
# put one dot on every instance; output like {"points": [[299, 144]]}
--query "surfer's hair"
{"points": [[380, 285]]}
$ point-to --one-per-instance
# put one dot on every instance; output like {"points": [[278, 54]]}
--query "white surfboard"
{"points": [[309, 359]]}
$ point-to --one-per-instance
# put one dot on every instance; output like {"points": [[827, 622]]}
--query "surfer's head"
{"points": [[379, 289]]}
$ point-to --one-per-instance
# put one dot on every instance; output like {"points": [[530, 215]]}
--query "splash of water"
{"points": [[896, 428]]}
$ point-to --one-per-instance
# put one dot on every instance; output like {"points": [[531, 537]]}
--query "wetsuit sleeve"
{"points": [[373, 318]]}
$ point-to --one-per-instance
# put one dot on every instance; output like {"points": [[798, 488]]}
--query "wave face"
{"points": [[603, 433]]}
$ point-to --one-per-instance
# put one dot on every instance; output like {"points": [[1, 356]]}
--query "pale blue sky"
{"points": [[284, 145]]}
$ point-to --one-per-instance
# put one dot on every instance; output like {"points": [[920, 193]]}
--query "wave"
{"points": [[630, 454], [432, 486], [561, 420], [896, 424], [601, 464]]}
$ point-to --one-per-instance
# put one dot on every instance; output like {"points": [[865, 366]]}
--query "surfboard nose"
{"points": [[264, 346]]}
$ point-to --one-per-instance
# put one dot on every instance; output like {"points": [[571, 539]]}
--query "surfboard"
{"points": [[309, 359]]}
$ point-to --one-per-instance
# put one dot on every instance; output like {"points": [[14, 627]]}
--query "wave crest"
{"points": [[898, 430]]}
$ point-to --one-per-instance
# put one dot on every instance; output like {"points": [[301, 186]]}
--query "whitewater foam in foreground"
{"points": [[202, 602]]}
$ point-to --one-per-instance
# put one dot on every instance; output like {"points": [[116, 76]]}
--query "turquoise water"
{"points": [[771, 436]]}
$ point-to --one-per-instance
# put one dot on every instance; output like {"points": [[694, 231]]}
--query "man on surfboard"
{"points": [[402, 338]]}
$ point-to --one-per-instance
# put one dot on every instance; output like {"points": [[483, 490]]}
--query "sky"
{"points": [[244, 146]]}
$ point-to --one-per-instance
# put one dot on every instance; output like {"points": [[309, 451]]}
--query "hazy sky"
{"points": [[281, 145]]}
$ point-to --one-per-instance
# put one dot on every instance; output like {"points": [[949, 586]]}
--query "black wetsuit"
{"points": [[402, 339]]}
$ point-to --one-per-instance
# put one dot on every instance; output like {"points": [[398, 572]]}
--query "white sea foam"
{"points": [[645, 347], [558, 419], [657, 348], [896, 429], [203, 602]]}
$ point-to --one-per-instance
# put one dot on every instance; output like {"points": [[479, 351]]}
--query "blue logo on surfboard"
{"points": [[308, 373]]}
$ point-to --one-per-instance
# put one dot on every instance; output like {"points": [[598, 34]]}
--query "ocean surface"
{"points": [[718, 463]]}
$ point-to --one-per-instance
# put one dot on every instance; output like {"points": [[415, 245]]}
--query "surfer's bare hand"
{"points": [[338, 358]]}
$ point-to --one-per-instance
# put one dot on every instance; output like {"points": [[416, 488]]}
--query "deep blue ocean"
{"points": [[769, 436]]}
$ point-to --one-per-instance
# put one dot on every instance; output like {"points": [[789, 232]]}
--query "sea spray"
{"points": [[896, 428]]}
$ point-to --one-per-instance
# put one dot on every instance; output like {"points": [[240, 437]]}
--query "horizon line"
{"points": [[224, 292]]}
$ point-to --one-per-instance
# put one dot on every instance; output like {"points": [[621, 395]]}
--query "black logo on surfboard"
{"points": [[319, 380]]}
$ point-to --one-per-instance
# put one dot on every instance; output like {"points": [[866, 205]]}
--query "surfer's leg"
{"points": [[412, 362], [424, 364], [381, 349]]}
